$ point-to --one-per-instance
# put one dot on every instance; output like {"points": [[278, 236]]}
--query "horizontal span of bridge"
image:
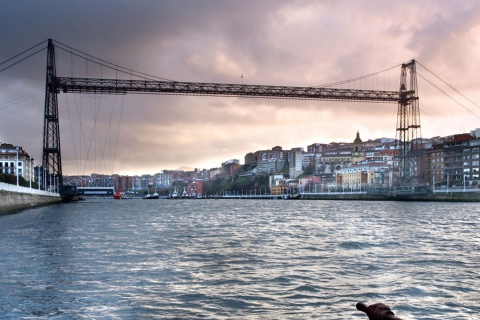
{"points": [[114, 86]]}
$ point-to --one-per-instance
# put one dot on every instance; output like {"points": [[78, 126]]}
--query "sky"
{"points": [[270, 42]]}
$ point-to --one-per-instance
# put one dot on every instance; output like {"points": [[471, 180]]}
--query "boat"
{"points": [[152, 196], [148, 195], [174, 194], [155, 195], [184, 194], [117, 195]]}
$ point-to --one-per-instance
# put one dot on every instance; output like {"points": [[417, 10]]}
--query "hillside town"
{"points": [[446, 162]]}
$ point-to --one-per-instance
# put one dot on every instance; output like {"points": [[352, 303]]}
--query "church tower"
{"points": [[357, 154]]}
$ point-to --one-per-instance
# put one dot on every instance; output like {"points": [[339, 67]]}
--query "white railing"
{"points": [[18, 189], [456, 190]]}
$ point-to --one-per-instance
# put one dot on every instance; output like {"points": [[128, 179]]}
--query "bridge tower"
{"points": [[408, 133], [51, 159]]}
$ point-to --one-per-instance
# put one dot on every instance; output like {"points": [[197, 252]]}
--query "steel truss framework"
{"points": [[408, 120], [112, 86], [408, 135], [51, 158]]}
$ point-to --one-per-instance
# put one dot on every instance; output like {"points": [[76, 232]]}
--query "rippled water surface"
{"points": [[240, 259]]}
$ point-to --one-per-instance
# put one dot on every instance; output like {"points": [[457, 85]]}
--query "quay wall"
{"points": [[341, 196], [14, 198], [455, 196]]}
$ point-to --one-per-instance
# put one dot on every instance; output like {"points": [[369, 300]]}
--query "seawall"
{"points": [[453, 196], [13, 198]]}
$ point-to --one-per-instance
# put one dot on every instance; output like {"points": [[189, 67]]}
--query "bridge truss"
{"points": [[408, 116]]}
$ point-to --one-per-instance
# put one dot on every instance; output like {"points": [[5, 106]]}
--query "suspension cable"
{"points": [[21, 99], [449, 85], [355, 79], [107, 64], [22, 59], [442, 91], [23, 52]]}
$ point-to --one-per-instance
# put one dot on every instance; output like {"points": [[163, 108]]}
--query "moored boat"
{"points": [[174, 194], [117, 195], [155, 195]]}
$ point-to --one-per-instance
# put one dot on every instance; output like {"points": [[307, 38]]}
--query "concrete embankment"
{"points": [[453, 196], [13, 198], [340, 196]]}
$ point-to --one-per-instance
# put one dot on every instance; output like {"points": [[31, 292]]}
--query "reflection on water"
{"points": [[239, 259]]}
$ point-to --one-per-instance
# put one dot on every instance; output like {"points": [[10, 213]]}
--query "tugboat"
{"points": [[152, 196], [155, 195], [174, 194], [184, 194]]}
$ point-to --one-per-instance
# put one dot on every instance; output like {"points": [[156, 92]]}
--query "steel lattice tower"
{"points": [[408, 134], [52, 160]]}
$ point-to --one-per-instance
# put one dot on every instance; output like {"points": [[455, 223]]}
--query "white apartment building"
{"points": [[13, 158]]}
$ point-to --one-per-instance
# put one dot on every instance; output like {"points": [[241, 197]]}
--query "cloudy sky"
{"points": [[294, 43]]}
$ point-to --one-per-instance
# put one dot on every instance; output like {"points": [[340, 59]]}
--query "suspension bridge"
{"points": [[408, 129]]}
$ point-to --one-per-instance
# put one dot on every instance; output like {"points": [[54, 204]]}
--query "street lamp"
{"points": [[31, 160], [16, 165], [447, 181]]}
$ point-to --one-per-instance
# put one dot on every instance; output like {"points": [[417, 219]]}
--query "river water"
{"points": [[240, 259]]}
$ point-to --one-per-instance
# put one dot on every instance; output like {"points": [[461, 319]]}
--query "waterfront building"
{"points": [[101, 180], [123, 183], [455, 162], [277, 184], [77, 181], [14, 160], [195, 188], [359, 176]]}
